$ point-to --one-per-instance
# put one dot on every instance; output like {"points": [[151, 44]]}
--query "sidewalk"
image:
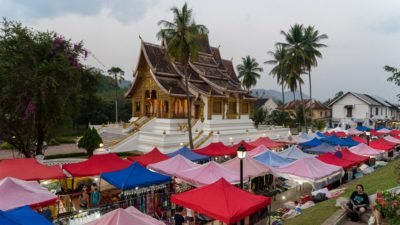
{"points": [[51, 150]]}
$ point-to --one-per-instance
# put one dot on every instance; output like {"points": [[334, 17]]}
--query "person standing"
{"points": [[178, 218], [84, 198], [95, 195]]}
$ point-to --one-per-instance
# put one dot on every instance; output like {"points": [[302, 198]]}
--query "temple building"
{"points": [[158, 88], [220, 107]]}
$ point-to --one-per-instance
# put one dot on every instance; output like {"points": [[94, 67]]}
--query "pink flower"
{"points": [[394, 204]]}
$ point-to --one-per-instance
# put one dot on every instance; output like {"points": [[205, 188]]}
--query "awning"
{"points": [[22, 216], [134, 176], [271, 159], [173, 165], [216, 149], [222, 201], [294, 153], [126, 216], [246, 145], [266, 142], [154, 156], [16, 193], [330, 158], [29, 169], [189, 154], [96, 165]]}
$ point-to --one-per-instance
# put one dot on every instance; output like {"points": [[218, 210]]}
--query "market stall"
{"points": [[222, 201], [271, 159], [257, 151], [293, 153], [154, 156], [126, 216], [216, 149], [246, 145], [365, 150], [321, 149], [266, 142], [189, 154], [311, 143], [349, 156], [311, 170], [331, 159], [29, 169], [173, 165], [16, 193], [208, 173], [22, 216]]}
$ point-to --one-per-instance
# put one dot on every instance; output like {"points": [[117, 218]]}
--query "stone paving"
{"points": [[51, 150]]}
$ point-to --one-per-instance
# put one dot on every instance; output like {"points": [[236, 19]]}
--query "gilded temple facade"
{"points": [[158, 88]]}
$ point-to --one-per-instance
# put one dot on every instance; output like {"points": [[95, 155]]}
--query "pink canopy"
{"points": [[258, 150], [353, 131], [207, 174], [392, 139], [251, 168], [363, 149], [383, 131], [308, 168], [173, 165], [125, 216], [16, 193]]}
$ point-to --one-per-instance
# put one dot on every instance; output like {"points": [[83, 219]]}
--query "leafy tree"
{"points": [[249, 72], [280, 70], [296, 55], [278, 117], [40, 79], [299, 115], [319, 124], [182, 46], [312, 42], [118, 75], [258, 116], [337, 95], [395, 75], [90, 141]]}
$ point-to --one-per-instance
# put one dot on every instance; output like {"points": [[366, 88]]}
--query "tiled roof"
{"points": [[315, 104]]}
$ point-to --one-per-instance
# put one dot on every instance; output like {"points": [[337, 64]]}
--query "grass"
{"points": [[382, 179]]}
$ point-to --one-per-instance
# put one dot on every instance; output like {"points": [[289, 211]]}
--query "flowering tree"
{"points": [[40, 84], [389, 204]]}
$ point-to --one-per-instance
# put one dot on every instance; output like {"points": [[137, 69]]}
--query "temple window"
{"points": [[137, 108], [232, 108], [147, 94], [153, 94], [217, 108], [245, 108]]}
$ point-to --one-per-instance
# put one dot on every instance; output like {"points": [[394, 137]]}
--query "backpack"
{"points": [[354, 217]]}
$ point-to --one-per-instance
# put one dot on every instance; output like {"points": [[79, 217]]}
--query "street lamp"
{"points": [[368, 136], [241, 154]]}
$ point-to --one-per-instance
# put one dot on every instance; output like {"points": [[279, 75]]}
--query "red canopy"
{"points": [[216, 149], [339, 134], [386, 142], [246, 145], [375, 133], [360, 139], [266, 142], [378, 145], [154, 156], [96, 165], [330, 158], [349, 156], [394, 132], [222, 201], [29, 169]]}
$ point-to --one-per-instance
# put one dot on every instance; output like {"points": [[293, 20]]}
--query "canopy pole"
{"points": [[269, 213], [99, 184]]}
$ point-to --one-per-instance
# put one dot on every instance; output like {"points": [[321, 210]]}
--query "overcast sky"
{"points": [[363, 35]]}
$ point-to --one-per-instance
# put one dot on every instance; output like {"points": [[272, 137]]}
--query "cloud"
{"points": [[124, 11]]}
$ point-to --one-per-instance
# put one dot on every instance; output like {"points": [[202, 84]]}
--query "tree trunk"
{"points": [[294, 96], [39, 139], [283, 102], [311, 119], [303, 108], [189, 110], [116, 101]]}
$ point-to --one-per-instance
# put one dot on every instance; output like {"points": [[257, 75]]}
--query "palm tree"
{"points": [[292, 82], [118, 75], [312, 40], [280, 69], [296, 55], [180, 35], [249, 72]]}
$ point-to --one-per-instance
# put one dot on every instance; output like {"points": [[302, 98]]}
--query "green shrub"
{"points": [[67, 155], [6, 146], [90, 141]]}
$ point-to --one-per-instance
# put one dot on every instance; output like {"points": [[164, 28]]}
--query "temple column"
{"points": [[210, 108], [158, 108], [142, 107], [223, 112], [133, 106], [240, 103]]}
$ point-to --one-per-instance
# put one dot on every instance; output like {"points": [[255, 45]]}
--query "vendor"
{"points": [[358, 201]]}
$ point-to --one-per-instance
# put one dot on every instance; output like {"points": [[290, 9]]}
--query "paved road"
{"points": [[51, 150]]}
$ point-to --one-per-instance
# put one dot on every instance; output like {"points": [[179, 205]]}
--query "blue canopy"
{"points": [[321, 149], [333, 140], [381, 127], [22, 216], [319, 134], [312, 143], [189, 154], [348, 142], [362, 128], [271, 159], [134, 176], [305, 136]]}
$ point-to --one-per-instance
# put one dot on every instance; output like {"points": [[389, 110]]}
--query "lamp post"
{"points": [[241, 154], [368, 136]]}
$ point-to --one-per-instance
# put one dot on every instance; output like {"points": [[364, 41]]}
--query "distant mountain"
{"points": [[125, 84], [276, 95]]}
